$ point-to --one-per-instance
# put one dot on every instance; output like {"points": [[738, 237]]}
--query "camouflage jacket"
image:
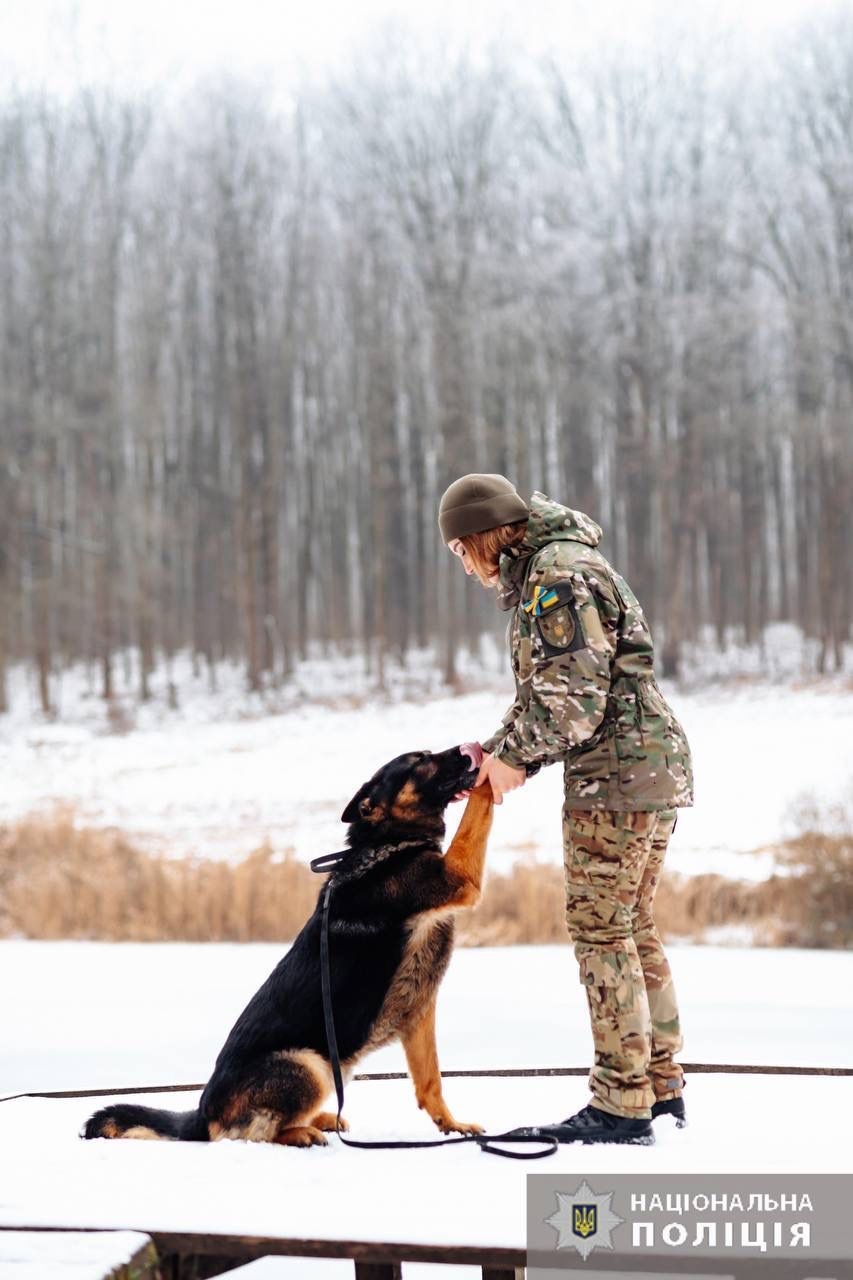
{"points": [[582, 657]]}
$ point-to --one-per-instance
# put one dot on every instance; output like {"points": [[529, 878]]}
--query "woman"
{"points": [[586, 694]]}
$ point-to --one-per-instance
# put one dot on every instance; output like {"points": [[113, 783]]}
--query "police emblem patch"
{"points": [[584, 1220]]}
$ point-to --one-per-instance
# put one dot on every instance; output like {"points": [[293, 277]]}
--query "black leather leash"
{"points": [[327, 862]]}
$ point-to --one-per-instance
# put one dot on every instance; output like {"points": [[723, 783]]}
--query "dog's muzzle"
{"points": [[474, 752]]}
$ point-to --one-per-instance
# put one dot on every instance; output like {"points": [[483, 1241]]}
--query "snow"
{"points": [[31, 1255], [79, 1015], [227, 771], [782, 654], [474, 1199], [335, 1269], [99, 1015]]}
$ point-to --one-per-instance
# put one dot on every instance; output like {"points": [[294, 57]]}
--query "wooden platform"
{"points": [[78, 1255], [207, 1209], [125, 1255]]}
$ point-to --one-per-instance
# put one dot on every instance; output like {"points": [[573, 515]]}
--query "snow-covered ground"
{"points": [[51, 1177], [223, 773], [45, 1255], [79, 1014]]}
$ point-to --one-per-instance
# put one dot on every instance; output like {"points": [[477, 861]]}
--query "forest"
{"points": [[248, 336]]}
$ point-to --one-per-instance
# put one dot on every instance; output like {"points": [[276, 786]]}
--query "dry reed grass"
{"points": [[61, 881]]}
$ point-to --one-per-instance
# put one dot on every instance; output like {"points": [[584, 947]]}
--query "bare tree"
{"points": [[244, 347]]}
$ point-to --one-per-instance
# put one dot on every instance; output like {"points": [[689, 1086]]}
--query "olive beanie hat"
{"points": [[477, 502]]}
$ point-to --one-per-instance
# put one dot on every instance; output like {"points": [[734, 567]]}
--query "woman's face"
{"points": [[459, 549]]}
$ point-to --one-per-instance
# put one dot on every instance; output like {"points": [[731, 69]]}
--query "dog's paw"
{"points": [[326, 1122], [302, 1136], [447, 1124]]}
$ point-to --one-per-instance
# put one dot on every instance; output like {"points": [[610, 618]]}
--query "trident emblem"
{"points": [[584, 1220]]}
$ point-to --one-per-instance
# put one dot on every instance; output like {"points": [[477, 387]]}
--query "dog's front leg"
{"points": [[422, 1057], [466, 855]]}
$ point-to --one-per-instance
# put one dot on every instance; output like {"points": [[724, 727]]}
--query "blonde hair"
{"points": [[484, 549]]}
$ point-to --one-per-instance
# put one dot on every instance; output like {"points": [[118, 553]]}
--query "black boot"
{"points": [[593, 1125], [671, 1107]]}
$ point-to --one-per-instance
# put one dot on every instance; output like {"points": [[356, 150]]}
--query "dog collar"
{"points": [[360, 862], [328, 861]]}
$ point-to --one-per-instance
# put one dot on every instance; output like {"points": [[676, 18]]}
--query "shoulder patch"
{"points": [[557, 619]]}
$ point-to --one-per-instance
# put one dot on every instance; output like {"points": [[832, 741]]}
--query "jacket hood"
{"points": [[549, 521]]}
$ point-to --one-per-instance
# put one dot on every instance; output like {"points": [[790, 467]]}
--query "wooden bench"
{"points": [[195, 1257], [95, 1255], [130, 1255]]}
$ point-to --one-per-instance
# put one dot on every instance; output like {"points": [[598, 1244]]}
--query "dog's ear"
{"points": [[360, 805]]}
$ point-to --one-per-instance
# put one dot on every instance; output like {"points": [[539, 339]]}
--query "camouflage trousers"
{"points": [[613, 864]]}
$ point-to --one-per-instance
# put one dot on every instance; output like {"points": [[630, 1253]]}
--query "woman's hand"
{"points": [[501, 777]]}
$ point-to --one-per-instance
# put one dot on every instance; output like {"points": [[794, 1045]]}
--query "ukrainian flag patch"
{"points": [[557, 621], [542, 598]]}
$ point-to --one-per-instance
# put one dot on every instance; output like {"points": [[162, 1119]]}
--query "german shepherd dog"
{"points": [[391, 927]]}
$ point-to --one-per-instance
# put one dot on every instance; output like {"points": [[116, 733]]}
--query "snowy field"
{"points": [[99, 1015], [224, 773], [88, 1015]]}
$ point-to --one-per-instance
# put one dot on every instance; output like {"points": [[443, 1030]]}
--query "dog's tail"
{"points": [[125, 1120]]}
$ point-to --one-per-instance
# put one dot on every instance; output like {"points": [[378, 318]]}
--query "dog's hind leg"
{"points": [[277, 1102], [422, 1058], [466, 855]]}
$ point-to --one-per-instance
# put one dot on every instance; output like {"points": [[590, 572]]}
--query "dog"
{"points": [[391, 931]]}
